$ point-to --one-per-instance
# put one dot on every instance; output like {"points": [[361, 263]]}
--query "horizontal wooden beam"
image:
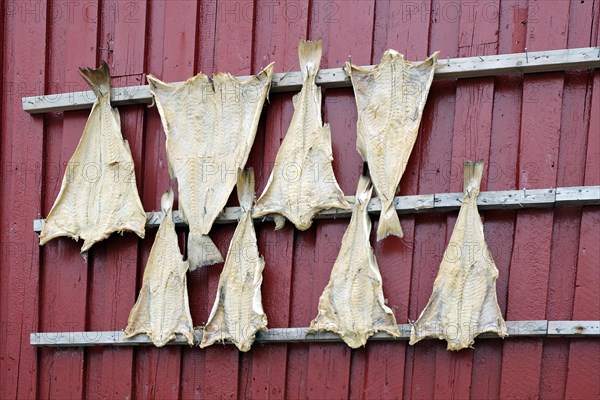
{"points": [[452, 68], [574, 328], [505, 199], [541, 328]]}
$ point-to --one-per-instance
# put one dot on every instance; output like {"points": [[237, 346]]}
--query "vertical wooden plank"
{"points": [[346, 29], [478, 35], [538, 164], [112, 289], [567, 220], [193, 383], [434, 177], [21, 148], [232, 53], [301, 313], [499, 225], [65, 273], [394, 255], [169, 55], [584, 355], [276, 35]]}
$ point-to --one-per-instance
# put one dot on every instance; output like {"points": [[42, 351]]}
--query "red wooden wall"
{"points": [[533, 132]]}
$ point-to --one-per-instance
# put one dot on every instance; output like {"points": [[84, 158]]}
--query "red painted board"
{"points": [[434, 177], [429, 244], [563, 265], [471, 141], [501, 175], [584, 355], [499, 225], [193, 379], [276, 36], [538, 164], [65, 276], [21, 147], [170, 47], [346, 30], [232, 53], [112, 289], [394, 255], [402, 26], [221, 362], [301, 314]]}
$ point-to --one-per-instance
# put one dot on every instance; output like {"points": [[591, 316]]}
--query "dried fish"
{"points": [[352, 304], [390, 99], [302, 182], [98, 195], [237, 313], [162, 309], [463, 303], [210, 126]]}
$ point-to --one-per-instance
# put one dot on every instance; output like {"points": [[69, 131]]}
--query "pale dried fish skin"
{"points": [[352, 304], [162, 309], [463, 303], [210, 126], [302, 182], [390, 100], [98, 194], [237, 313]]}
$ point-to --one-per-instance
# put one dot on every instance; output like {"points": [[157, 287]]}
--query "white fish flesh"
{"points": [[98, 195], [463, 303], [162, 309], [237, 313], [302, 182], [390, 99], [210, 126], [352, 304]]}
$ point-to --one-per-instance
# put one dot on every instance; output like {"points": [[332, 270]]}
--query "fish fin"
{"points": [[431, 60], [364, 190], [166, 201], [202, 251], [279, 221], [98, 79], [389, 223], [245, 188], [309, 53], [158, 87], [473, 172]]}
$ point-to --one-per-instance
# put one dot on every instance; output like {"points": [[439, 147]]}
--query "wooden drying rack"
{"points": [[451, 68], [500, 200], [454, 68], [516, 329]]}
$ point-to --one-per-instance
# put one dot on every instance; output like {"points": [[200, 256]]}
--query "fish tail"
{"points": [[309, 53], [473, 172], [166, 201], [98, 79], [245, 188], [389, 223], [364, 190], [202, 251]]}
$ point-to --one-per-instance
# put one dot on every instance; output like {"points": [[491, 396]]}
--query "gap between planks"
{"points": [[506, 199], [452, 68], [536, 328]]}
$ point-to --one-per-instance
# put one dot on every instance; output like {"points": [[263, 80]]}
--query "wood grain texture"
{"points": [[65, 276], [24, 43], [455, 68], [113, 280], [52, 289], [434, 174], [470, 141], [538, 164]]}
